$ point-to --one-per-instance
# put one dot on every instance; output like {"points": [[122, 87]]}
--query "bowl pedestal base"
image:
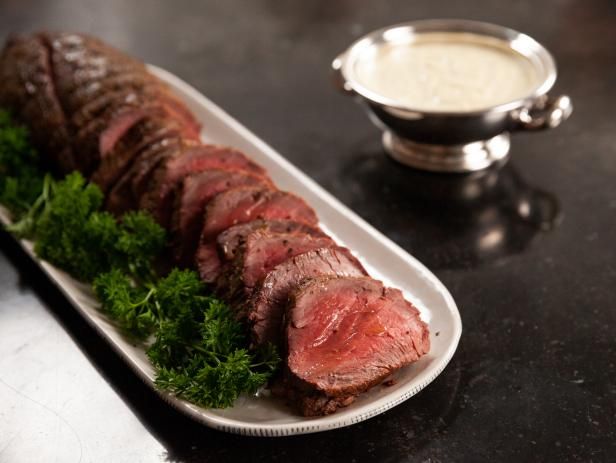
{"points": [[469, 157]]}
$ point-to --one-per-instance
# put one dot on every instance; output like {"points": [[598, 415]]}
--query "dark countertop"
{"points": [[534, 378]]}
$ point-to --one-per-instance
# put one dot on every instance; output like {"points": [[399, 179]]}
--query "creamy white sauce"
{"points": [[447, 72]]}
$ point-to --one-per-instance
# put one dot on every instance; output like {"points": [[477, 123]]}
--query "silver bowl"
{"points": [[455, 141]]}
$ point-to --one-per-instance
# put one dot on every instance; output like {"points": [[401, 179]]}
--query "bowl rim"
{"points": [[518, 42]]}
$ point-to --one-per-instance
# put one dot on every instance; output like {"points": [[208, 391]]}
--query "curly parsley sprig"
{"points": [[199, 347], [71, 231], [195, 343], [21, 180]]}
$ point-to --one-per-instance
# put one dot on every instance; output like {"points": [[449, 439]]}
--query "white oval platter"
{"points": [[263, 415]]}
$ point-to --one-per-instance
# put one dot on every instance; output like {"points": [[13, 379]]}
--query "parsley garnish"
{"points": [[196, 345], [21, 181], [72, 232]]}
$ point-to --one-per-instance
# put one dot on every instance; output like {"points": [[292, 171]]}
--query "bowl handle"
{"points": [[547, 112], [339, 81]]}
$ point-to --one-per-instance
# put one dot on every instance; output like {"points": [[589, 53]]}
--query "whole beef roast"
{"points": [[92, 108], [260, 253], [81, 61], [194, 192], [160, 197], [27, 89], [229, 241], [344, 336], [80, 97], [242, 205], [269, 298], [84, 69]]}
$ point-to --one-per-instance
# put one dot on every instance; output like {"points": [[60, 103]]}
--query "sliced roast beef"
{"points": [[261, 252], [96, 157], [109, 103], [344, 336], [97, 123], [92, 108], [44, 77], [78, 60], [116, 161], [231, 239], [99, 137], [194, 192], [151, 97], [269, 299], [28, 91], [142, 181], [126, 193], [178, 111], [87, 93], [242, 205], [160, 197]]}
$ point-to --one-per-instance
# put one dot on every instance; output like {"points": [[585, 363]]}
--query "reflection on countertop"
{"points": [[449, 220]]}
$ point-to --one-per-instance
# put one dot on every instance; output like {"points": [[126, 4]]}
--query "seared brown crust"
{"points": [[80, 96], [266, 306], [148, 131], [232, 239], [160, 197], [191, 198], [28, 90], [228, 242], [85, 68], [242, 205], [125, 194], [258, 255]]}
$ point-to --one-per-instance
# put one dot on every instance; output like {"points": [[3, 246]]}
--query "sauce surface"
{"points": [[447, 72]]}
